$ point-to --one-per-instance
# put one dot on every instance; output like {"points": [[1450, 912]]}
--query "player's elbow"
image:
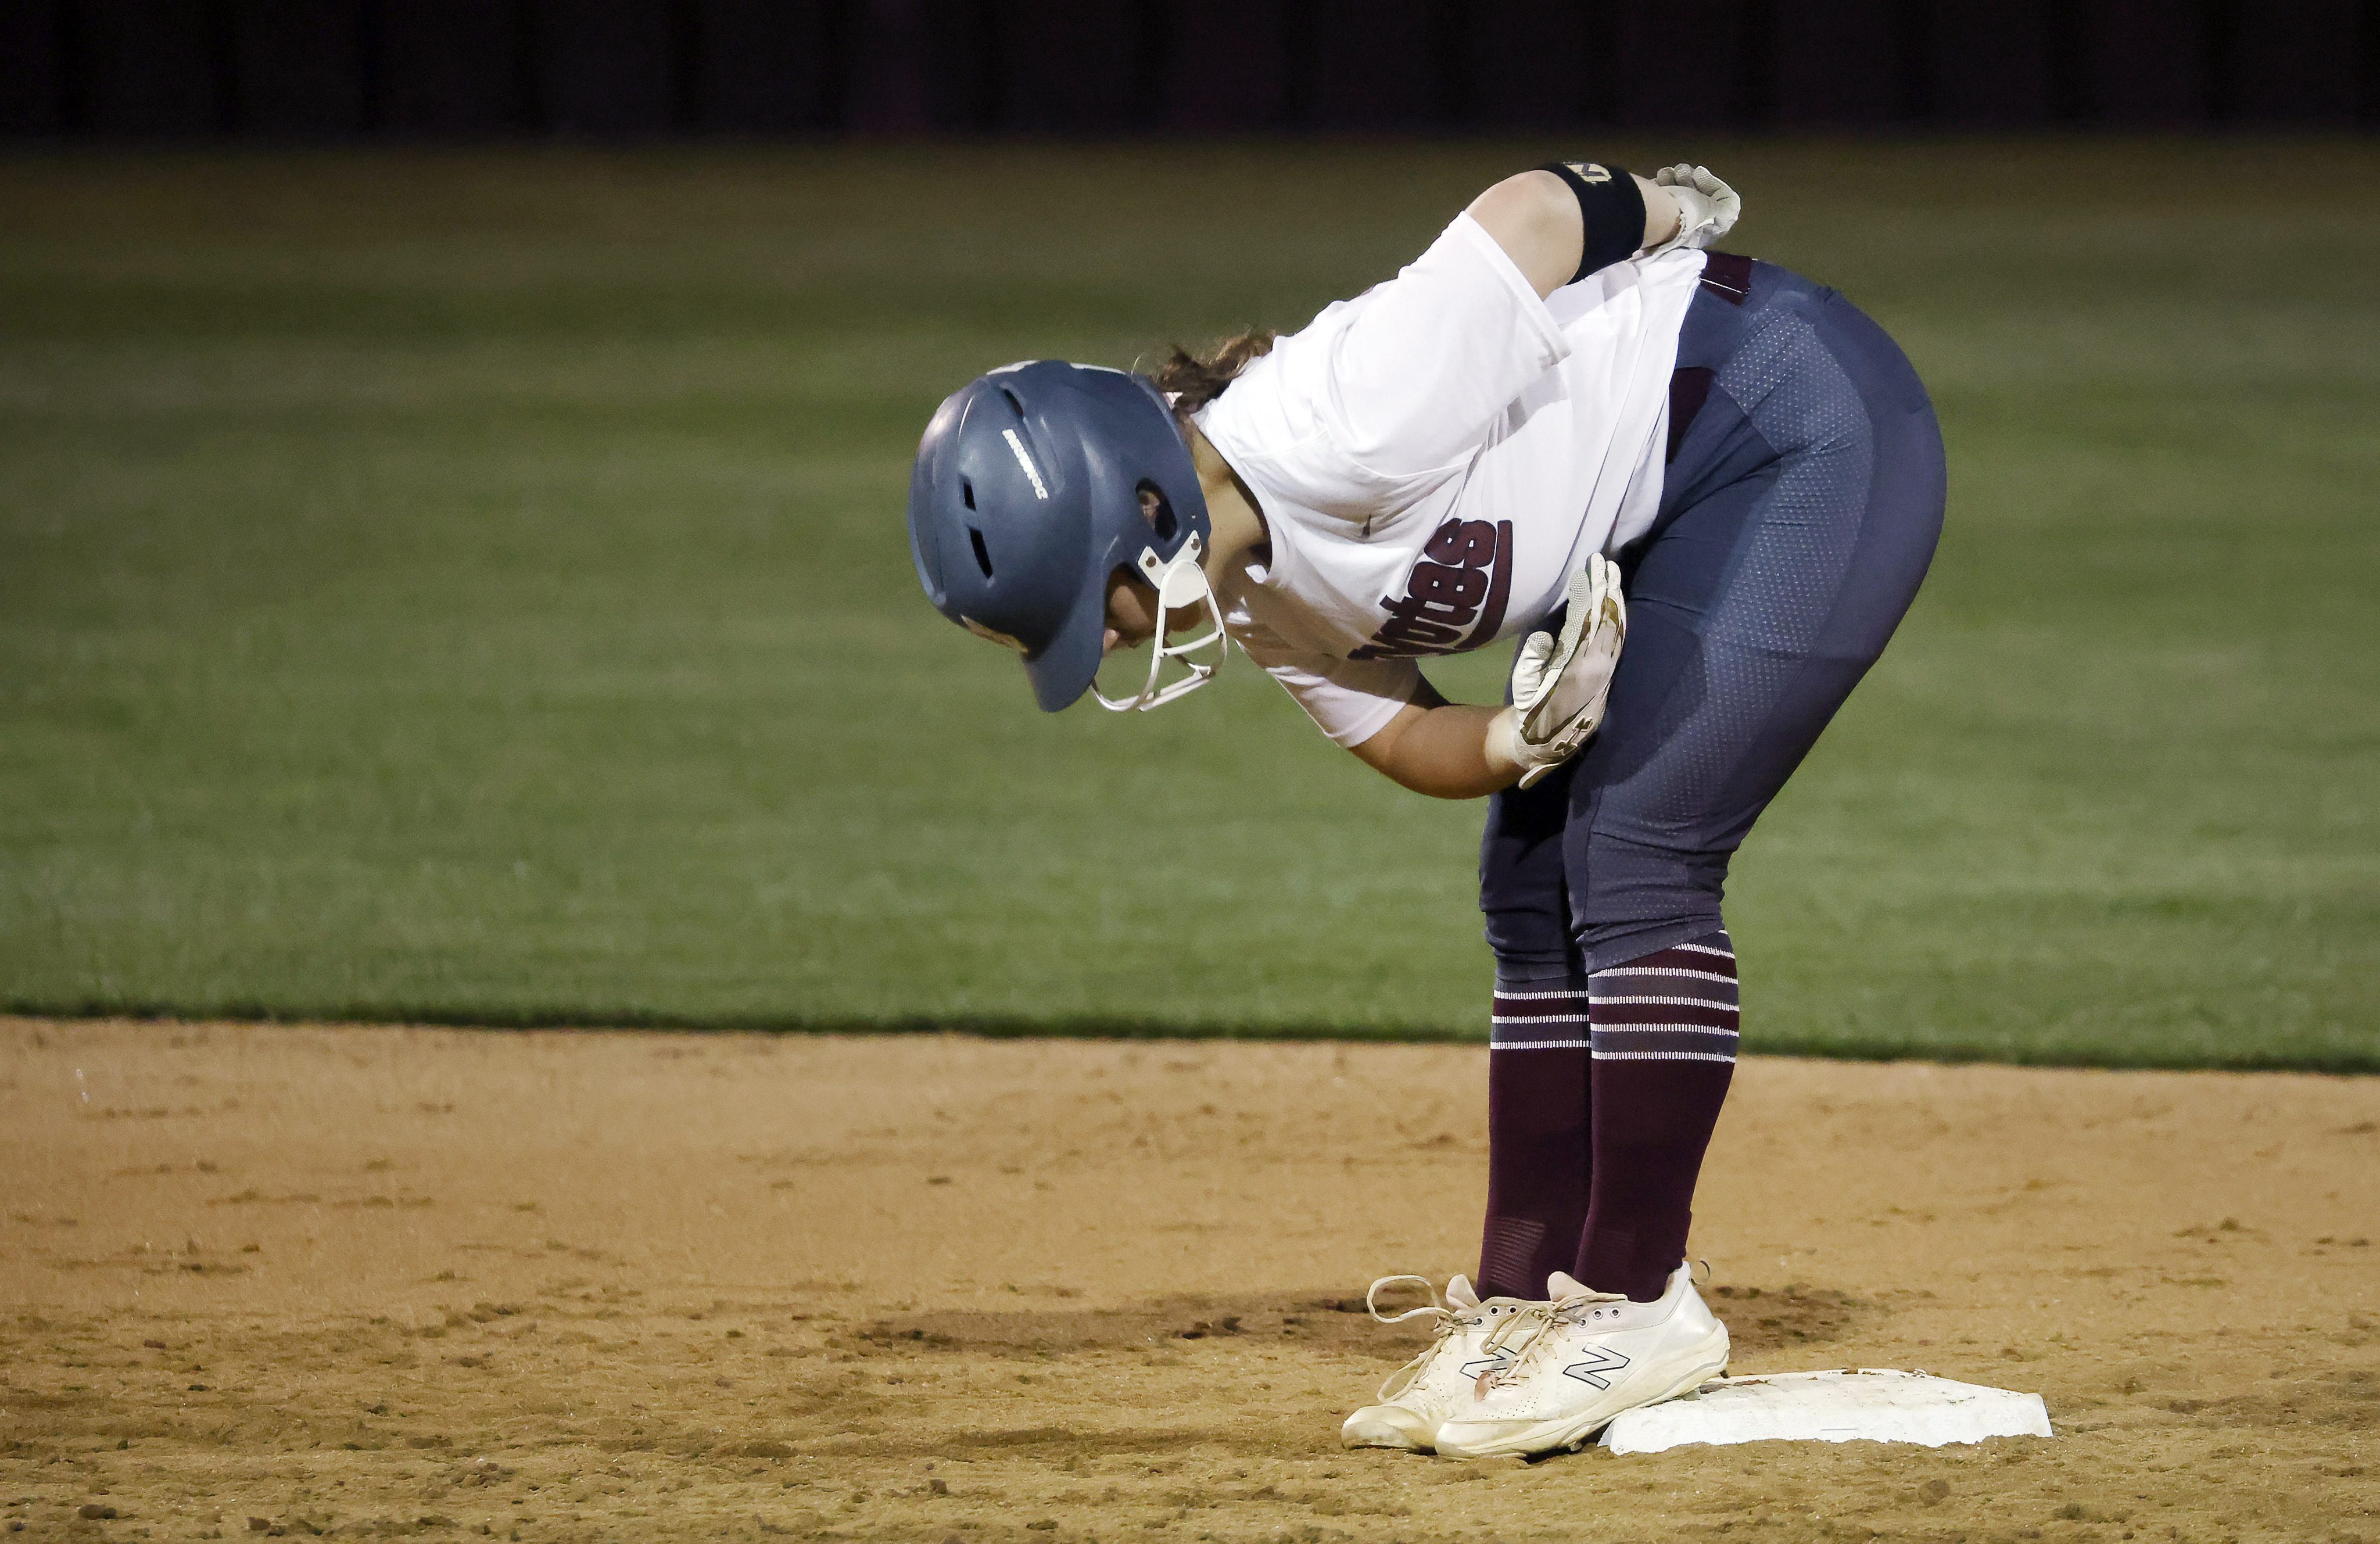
{"points": [[1529, 205], [1535, 217], [1380, 751]]}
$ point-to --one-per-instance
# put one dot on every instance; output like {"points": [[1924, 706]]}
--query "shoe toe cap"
{"points": [[1470, 1439], [1387, 1426]]}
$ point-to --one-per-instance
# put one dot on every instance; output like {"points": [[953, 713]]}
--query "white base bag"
{"points": [[1872, 1405]]}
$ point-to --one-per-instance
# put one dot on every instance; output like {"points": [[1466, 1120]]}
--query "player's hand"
{"points": [[1559, 684], [1707, 208]]}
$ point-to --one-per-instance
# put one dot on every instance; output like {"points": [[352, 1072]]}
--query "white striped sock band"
{"points": [[1677, 1004], [1540, 1016]]}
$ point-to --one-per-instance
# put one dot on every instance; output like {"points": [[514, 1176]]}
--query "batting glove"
{"points": [[1707, 208], [1559, 684]]}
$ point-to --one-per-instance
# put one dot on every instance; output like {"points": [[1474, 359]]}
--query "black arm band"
{"points": [[1610, 205]]}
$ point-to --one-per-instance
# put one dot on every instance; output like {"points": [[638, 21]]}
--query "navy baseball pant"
{"points": [[1801, 504]]}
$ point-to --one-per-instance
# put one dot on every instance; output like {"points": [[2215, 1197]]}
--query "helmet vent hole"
{"points": [[966, 491], [982, 557], [1014, 406], [1158, 510]]}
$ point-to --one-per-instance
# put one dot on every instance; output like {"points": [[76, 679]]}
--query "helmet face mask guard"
{"points": [[1180, 583], [1032, 486]]}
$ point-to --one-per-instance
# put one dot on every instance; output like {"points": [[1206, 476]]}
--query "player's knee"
{"points": [[1631, 890], [1522, 968]]}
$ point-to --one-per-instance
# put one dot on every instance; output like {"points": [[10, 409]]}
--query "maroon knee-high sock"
{"points": [[1538, 1151], [1664, 1044]]}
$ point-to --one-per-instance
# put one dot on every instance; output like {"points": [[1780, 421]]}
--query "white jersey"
{"points": [[1434, 457]]}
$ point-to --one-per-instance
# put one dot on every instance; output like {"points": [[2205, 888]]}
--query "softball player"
{"points": [[1567, 421]]}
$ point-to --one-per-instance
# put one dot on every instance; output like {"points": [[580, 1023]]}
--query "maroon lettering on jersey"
{"points": [[1454, 598]]}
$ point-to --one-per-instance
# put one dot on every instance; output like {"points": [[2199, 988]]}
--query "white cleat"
{"points": [[1588, 1356], [1421, 1393]]}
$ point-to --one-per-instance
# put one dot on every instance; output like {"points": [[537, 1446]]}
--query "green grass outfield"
{"points": [[471, 587]]}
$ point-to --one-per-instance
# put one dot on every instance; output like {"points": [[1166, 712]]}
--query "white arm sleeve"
{"points": [[1432, 357], [1349, 700]]}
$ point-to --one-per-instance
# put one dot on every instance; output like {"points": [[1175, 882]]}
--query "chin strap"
{"points": [[1179, 583]]}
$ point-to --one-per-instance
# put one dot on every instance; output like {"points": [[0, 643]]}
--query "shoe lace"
{"points": [[1447, 1320], [1372, 1299], [1526, 1330]]}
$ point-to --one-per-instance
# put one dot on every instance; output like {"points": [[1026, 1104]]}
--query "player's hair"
{"points": [[1200, 378]]}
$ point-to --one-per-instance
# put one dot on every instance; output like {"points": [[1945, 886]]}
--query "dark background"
{"points": [[310, 69]]}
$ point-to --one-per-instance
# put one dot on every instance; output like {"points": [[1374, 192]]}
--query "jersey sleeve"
{"points": [[1349, 700], [1429, 360]]}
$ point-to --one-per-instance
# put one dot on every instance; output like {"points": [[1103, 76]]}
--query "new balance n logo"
{"points": [[1600, 1359], [1497, 1362]]}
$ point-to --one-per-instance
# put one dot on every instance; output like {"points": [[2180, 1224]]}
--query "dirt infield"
{"points": [[376, 1283]]}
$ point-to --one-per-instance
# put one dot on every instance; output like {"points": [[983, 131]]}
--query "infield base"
{"points": [[1872, 1405]]}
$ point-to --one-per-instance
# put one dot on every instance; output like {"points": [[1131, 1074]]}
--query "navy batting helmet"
{"points": [[1031, 487]]}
